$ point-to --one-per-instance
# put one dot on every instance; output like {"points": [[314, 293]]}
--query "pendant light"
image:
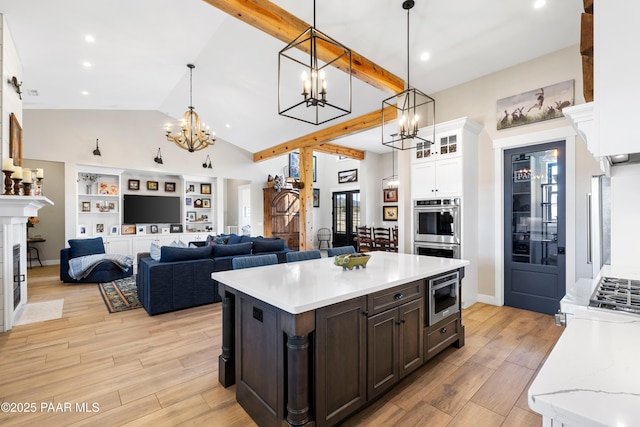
{"points": [[192, 136], [415, 110], [324, 65]]}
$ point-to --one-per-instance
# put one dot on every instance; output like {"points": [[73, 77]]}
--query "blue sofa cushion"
{"points": [[234, 239], [83, 247], [173, 254], [268, 245], [230, 250]]}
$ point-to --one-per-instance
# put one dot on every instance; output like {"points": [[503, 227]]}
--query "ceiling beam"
{"points": [[284, 26], [323, 136]]}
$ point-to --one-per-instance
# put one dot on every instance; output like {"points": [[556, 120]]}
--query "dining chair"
{"points": [[363, 239], [253, 261], [303, 255], [381, 238], [331, 252], [394, 239]]}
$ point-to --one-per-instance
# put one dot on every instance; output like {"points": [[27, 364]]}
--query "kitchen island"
{"points": [[310, 342]]}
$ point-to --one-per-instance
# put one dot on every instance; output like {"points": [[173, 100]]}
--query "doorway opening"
{"points": [[345, 217]]}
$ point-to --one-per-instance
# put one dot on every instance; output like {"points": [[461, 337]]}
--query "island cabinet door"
{"points": [[411, 336], [340, 360], [382, 353]]}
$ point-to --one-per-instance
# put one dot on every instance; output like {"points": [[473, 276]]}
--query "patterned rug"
{"points": [[120, 295]]}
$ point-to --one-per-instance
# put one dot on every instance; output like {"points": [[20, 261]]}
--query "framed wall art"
{"points": [[152, 185], [350, 175], [134, 184], [15, 140], [169, 187], [390, 195], [389, 213], [86, 206], [206, 203], [176, 228], [114, 230], [205, 188], [294, 165], [316, 197]]}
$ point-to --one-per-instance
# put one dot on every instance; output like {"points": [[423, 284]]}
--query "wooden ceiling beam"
{"points": [[284, 26], [323, 136]]}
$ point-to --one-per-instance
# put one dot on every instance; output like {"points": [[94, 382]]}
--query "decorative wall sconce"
{"points": [[207, 163], [158, 158], [14, 82], [97, 152]]}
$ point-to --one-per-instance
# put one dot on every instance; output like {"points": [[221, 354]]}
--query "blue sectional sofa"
{"points": [[181, 277]]}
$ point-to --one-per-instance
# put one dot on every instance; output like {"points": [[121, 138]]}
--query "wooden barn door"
{"points": [[282, 216]]}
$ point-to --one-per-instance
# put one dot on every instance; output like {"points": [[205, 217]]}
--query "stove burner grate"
{"points": [[617, 294]]}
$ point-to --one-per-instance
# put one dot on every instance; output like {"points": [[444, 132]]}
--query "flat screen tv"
{"points": [[151, 209]]}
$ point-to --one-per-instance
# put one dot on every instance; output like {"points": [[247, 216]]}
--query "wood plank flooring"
{"points": [[130, 369]]}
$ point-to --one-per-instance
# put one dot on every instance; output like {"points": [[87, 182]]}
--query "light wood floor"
{"points": [[163, 370]]}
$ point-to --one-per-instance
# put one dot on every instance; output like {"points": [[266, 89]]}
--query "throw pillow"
{"points": [[154, 251], [178, 244], [232, 250], [83, 247], [174, 254], [268, 245]]}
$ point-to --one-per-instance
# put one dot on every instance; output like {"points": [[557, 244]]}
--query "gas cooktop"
{"points": [[617, 294]]}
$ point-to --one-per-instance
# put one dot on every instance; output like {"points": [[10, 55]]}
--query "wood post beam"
{"points": [[284, 26], [306, 199], [319, 140]]}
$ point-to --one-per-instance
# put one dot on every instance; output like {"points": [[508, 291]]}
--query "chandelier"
{"points": [[193, 135], [415, 110], [317, 59]]}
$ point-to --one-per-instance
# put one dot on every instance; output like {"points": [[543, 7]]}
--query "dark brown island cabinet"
{"points": [[323, 365]]}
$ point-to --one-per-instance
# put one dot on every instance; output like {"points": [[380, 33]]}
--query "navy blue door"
{"points": [[534, 228]]}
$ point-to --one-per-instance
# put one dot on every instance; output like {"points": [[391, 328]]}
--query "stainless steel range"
{"points": [[617, 294]]}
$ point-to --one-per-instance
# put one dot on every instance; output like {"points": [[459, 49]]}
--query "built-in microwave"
{"points": [[443, 297], [437, 220]]}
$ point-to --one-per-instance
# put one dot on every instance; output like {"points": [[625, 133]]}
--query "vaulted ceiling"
{"points": [[138, 60]]}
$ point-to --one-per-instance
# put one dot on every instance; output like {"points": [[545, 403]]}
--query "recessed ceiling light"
{"points": [[84, 92], [86, 64], [89, 38], [539, 3], [425, 56], [228, 126]]}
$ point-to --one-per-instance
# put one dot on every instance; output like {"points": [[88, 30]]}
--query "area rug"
{"points": [[120, 295], [39, 312]]}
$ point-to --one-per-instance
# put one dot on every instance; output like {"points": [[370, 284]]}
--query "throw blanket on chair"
{"points": [[81, 267]]}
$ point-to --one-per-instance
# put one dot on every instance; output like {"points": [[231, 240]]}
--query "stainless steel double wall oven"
{"points": [[437, 227]]}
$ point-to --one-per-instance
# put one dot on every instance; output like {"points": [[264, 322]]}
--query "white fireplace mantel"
{"points": [[14, 211]]}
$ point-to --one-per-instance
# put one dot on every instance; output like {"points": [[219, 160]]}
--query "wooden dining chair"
{"points": [[364, 239], [381, 238], [394, 239]]}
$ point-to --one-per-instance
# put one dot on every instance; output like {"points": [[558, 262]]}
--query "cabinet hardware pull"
{"points": [[398, 296], [443, 330], [366, 312], [400, 322]]}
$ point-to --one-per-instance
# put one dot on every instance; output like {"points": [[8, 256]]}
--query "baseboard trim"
{"points": [[487, 299]]}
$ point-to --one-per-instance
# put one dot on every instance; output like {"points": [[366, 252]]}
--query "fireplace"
{"points": [[17, 277]]}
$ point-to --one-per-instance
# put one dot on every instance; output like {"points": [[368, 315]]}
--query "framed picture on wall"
{"points": [[390, 195], [294, 165], [134, 184], [15, 140], [152, 185], [389, 213], [114, 230], [169, 187], [99, 229], [316, 197], [350, 175], [315, 168], [82, 230], [205, 188]]}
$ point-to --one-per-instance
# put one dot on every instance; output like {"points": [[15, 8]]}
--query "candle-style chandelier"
{"points": [[193, 135], [319, 60], [415, 110]]}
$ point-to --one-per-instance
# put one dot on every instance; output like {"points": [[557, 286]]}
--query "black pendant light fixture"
{"points": [[415, 110], [314, 77], [97, 152], [193, 135]]}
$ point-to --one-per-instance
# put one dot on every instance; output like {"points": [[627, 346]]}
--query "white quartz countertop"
{"points": [[592, 376], [307, 285]]}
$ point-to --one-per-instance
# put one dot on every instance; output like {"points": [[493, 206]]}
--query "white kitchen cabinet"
{"points": [[435, 179]]}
